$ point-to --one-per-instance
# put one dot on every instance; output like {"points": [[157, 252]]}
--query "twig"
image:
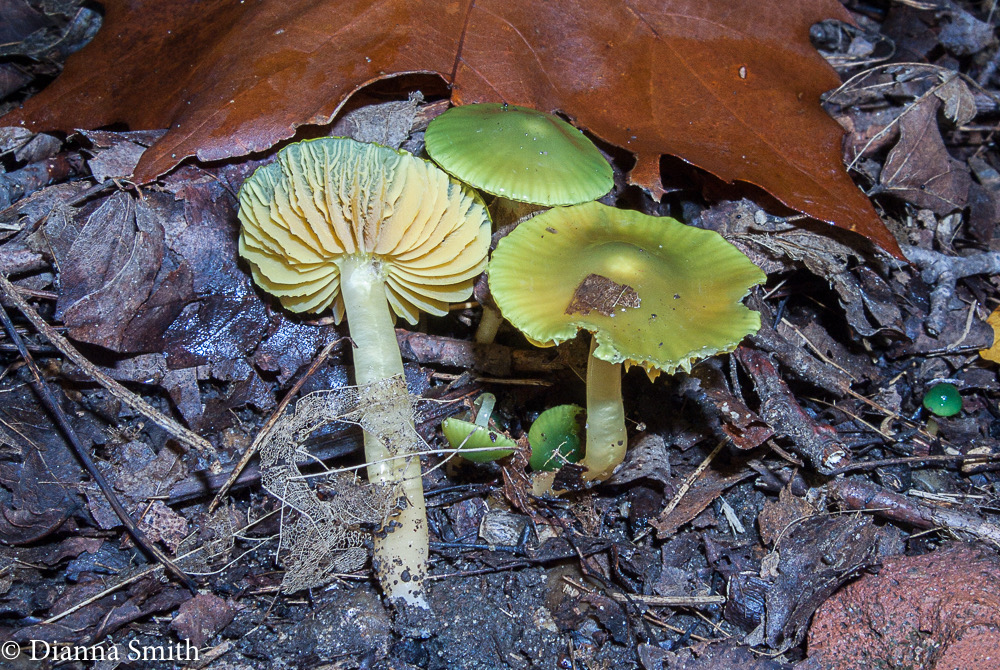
{"points": [[942, 272], [860, 495], [818, 443], [670, 601], [653, 601], [182, 434], [656, 621], [272, 420], [526, 562], [48, 399], [903, 460]]}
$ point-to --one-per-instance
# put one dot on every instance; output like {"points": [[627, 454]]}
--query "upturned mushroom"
{"points": [[362, 230], [474, 439], [528, 159], [653, 291]]}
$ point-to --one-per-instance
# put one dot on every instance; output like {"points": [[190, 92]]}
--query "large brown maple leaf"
{"points": [[731, 86]]}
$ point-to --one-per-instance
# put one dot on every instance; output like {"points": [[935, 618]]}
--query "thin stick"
{"points": [[654, 601], [266, 429], [688, 483], [182, 434], [669, 601], [49, 400], [957, 458]]}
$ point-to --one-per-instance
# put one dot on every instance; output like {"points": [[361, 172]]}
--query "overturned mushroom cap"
{"points": [[519, 154], [654, 291], [324, 199]]}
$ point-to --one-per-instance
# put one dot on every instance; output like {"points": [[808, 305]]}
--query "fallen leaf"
{"points": [[729, 86], [777, 516], [814, 558], [702, 493], [919, 168], [200, 618], [116, 291], [993, 353]]}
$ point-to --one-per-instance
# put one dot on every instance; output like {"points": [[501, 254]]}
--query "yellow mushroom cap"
{"points": [[653, 291], [324, 199]]}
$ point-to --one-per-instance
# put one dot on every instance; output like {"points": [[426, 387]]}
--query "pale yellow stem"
{"points": [[606, 438], [401, 548]]}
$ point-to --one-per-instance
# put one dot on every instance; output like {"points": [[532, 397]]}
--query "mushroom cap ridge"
{"points": [[322, 199], [519, 154], [653, 291]]}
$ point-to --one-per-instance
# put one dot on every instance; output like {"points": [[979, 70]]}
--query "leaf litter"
{"points": [[850, 344]]}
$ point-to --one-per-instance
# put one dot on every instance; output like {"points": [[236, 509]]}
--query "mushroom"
{"points": [[555, 438], [334, 224], [943, 400], [653, 291], [474, 439], [529, 159]]}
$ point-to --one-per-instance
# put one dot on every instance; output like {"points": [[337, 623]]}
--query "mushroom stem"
{"points": [[606, 438], [401, 547], [489, 324], [505, 215]]}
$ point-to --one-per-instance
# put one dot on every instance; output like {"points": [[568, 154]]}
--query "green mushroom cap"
{"points": [[943, 400], [555, 437], [519, 154], [653, 291]]}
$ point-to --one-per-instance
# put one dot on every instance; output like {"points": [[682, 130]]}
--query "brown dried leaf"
{"points": [[116, 293], [731, 86], [919, 168], [777, 516], [701, 494], [199, 619]]}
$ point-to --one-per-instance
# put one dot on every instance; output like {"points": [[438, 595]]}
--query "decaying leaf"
{"points": [[812, 559], [919, 168], [322, 534], [730, 86], [116, 291]]}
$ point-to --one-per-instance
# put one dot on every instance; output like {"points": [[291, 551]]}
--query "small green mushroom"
{"points": [[366, 231], [529, 159], [653, 292], [475, 440], [555, 437], [943, 400]]}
